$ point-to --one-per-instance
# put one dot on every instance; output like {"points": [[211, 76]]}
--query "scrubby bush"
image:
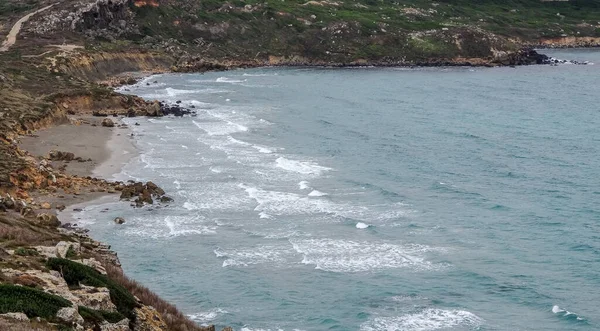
{"points": [[32, 302], [76, 273], [98, 316]]}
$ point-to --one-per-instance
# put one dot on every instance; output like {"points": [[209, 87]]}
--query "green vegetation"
{"points": [[21, 251], [76, 274], [98, 316], [32, 302]]}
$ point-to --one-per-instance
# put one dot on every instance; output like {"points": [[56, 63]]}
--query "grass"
{"points": [[32, 302], [75, 274]]}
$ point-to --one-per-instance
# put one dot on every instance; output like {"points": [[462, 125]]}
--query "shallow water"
{"points": [[371, 199]]}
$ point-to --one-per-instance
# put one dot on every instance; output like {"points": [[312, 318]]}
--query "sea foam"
{"points": [[429, 319]]}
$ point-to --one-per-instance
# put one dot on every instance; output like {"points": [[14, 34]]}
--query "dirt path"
{"points": [[12, 35]]}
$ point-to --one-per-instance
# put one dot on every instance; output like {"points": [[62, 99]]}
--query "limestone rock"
{"points": [[119, 220], [119, 326], [93, 263], [148, 319], [48, 219], [55, 155], [95, 297], [46, 205], [15, 316], [63, 247], [107, 122], [51, 282], [70, 315]]}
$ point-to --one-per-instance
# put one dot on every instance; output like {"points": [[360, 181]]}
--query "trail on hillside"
{"points": [[11, 38]]}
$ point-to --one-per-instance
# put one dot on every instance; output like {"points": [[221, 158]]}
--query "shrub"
{"points": [[98, 316], [76, 274], [32, 302], [26, 251]]}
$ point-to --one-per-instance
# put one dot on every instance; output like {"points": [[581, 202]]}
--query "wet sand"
{"points": [[108, 148]]}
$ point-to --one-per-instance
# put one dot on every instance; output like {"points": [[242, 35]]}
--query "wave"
{"points": [[205, 317], [262, 149], [220, 128], [168, 227], [429, 319], [316, 193], [338, 255], [253, 256], [303, 185], [175, 92], [229, 80], [302, 167], [565, 313], [361, 225]]}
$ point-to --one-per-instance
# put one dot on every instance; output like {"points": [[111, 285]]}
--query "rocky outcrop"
{"points": [[569, 42], [143, 193], [148, 319]]}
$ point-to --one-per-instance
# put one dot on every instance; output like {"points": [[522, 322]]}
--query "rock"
{"points": [[131, 113], [165, 199], [63, 247], [60, 207], [127, 193], [98, 114], [53, 282], [107, 122], [148, 319], [15, 316], [48, 219], [154, 109], [119, 326], [70, 315], [119, 220], [93, 263], [95, 297], [55, 155], [46, 205]]}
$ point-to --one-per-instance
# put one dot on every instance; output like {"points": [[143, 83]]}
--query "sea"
{"points": [[370, 198]]}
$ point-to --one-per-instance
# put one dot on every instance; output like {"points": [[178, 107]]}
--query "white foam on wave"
{"points": [[361, 225], [253, 256], [216, 196], [303, 185], [205, 317], [429, 319], [177, 184], [264, 215], [168, 227], [565, 313], [216, 170], [285, 203], [230, 81], [262, 149], [224, 127], [175, 92], [316, 193], [302, 167], [338, 255], [246, 328]]}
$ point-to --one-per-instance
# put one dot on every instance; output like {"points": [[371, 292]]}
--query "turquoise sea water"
{"points": [[371, 199]]}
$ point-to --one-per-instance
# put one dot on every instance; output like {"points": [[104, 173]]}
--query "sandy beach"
{"points": [[104, 151]]}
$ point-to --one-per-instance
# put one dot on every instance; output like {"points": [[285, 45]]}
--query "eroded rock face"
{"points": [[71, 315], [95, 297], [51, 282], [148, 319]]}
